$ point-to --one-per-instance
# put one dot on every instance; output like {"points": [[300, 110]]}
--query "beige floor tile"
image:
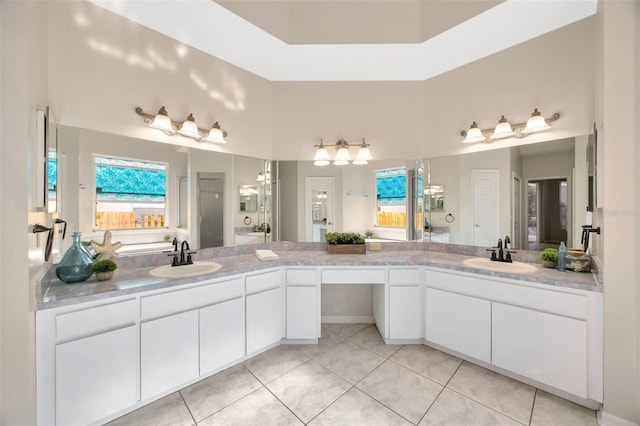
{"points": [[402, 390], [452, 409], [350, 361], [275, 362], [549, 410], [258, 408], [214, 393], [344, 330], [326, 341], [356, 408], [508, 396], [308, 389], [170, 411], [370, 338], [427, 361]]}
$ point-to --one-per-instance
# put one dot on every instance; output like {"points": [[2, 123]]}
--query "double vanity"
{"points": [[106, 348]]}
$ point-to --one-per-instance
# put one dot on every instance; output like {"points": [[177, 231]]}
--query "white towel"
{"points": [[266, 255]]}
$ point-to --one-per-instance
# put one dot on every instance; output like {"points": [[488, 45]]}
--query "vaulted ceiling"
{"points": [[347, 40]]}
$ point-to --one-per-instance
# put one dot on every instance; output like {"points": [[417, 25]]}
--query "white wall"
{"points": [[102, 66], [618, 128], [553, 73], [23, 82]]}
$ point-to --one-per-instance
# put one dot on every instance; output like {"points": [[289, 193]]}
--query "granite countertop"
{"points": [[55, 293]]}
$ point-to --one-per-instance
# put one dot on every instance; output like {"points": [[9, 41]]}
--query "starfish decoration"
{"points": [[106, 250]]}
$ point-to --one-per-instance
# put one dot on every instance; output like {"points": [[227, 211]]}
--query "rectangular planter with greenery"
{"points": [[345, 243]]}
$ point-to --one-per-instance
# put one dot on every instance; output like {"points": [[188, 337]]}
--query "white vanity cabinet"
{"points": [[222, 336], [551, 336], [302, 303], [405, 303], [549, 348], [264, 313], [87, 361], [168, 352], [459, 322]]}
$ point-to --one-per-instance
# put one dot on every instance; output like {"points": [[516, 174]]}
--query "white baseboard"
{"points": [[347, 320], [606, 419]]}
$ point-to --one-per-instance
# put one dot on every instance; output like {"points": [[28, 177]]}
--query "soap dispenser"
{"points": [[562, 257]]}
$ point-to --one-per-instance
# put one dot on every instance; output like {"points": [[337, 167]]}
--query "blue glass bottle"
{"points": [[562, 257], [75, 265]]}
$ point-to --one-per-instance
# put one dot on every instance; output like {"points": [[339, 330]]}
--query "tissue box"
{"points": [[578, 262]]}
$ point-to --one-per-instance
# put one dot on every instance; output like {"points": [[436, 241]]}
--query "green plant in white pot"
{"points": [[549, 258], [104, 269]]}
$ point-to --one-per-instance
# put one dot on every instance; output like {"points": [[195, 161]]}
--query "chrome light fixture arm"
{"points": [[175, 125], [517, 128]]}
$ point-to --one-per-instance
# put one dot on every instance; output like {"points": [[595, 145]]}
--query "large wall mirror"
{"points": [[537, 194], [209, 198]]}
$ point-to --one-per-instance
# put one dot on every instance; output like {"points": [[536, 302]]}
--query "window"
{"points": [[130, 193], [391, 197]]}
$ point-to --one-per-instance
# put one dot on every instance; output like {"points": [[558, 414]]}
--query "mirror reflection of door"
{"points": [[516, 211], [211, 209], [319, 195], [484, 204], [548, 216]]}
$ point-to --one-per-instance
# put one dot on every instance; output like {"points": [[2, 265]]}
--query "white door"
{"points": [[264, 319], [96, 376], [516, 212], [404, 312], [221, 334], [319, 207], [459, 322], [168, 353], [484, 205], [548, 348], [302, 316]]}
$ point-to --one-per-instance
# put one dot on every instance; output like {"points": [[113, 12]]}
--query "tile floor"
{"points": [[352, 378]]}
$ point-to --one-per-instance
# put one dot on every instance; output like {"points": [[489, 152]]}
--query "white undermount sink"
{"points": [[184, 271], [489, 265]]}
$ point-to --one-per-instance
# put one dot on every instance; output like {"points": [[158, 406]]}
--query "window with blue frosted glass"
{"points": [[391, 197], [130, 193]]}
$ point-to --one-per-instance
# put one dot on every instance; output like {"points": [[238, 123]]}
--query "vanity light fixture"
{"points": [[504, 129], [188, 127], [343, 156]]}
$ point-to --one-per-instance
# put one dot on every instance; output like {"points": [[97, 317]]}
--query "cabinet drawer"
{"points": [[184, 300], [301, 276], [264, 281], [405, 276], [554, 300], [353, 276], [96, 320]]}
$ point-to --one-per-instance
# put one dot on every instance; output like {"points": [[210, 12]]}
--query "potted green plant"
{"points": [[368, 234], [104, 269], [549, 258], [345, 243]]}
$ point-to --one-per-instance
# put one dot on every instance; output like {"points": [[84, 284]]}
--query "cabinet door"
{"points": [[545, 347], [221, 334], [302, 312], [96, 376], [459, 322], [405, 318], [169, 352], [264, 319]]}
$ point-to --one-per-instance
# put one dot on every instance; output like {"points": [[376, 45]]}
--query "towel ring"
{"points": [[247, 220], [449, 218]]}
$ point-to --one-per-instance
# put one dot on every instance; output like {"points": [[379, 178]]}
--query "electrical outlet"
{"points": [[375, 246]]}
